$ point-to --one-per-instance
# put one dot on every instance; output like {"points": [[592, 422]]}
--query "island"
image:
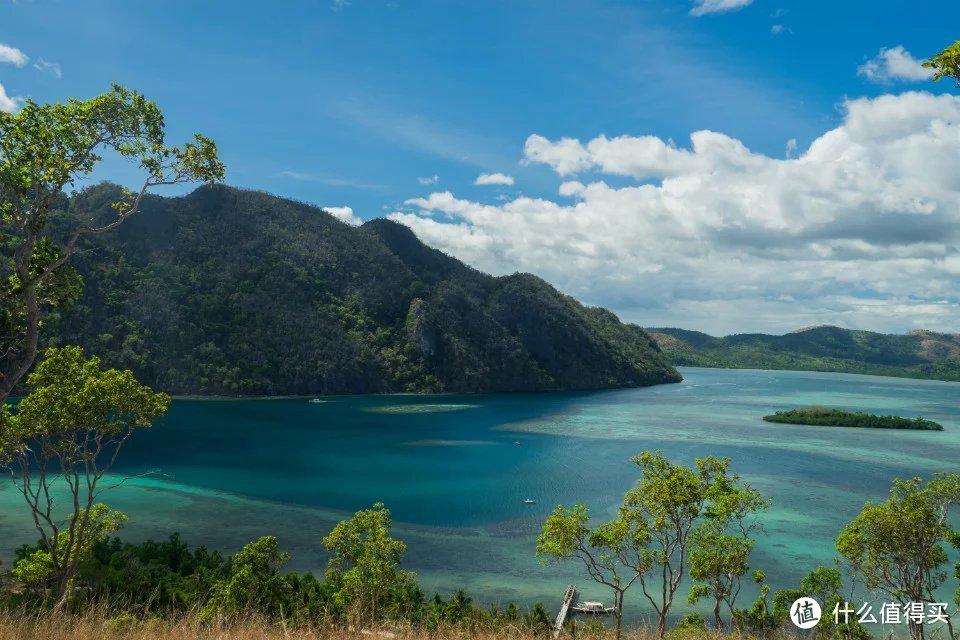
{"points": [[823, 416]]}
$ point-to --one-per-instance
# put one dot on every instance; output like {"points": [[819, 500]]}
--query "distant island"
{"points": [[823, 416], [918, 354], [233, 292]]}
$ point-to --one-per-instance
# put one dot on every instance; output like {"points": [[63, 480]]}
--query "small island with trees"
{"points": [[827, 417]]}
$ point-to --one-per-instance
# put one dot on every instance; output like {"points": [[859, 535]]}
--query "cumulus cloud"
{"points": [[429, 180], [779, 29], [12, 55], [861, 228], [344, 214], [51, 67], [493, 179], [894, 64], [704, 7], [9, 103]]}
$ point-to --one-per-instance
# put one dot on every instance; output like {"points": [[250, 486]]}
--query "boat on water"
{"points": [[316, 401], [591, 607], [529, 501]]}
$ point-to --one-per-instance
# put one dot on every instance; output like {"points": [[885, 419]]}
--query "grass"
{"points": [[91, 626]]}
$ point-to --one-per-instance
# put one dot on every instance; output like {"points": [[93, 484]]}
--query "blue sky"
{"points": [[377, 104]]}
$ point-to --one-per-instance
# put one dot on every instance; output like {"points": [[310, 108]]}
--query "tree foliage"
{"points": [[673, 512], [254, 586], [364, 566], [613, 553], [46, 148], [35, 566], [946, 64], [897, 544], [68, 431]]}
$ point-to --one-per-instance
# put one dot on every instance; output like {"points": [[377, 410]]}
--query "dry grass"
{"points": [[94, 627]]}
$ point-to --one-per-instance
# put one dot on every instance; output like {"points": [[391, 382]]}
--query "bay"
{"points": [[455, 469]]}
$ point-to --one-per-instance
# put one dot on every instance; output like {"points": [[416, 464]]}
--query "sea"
{"points": [[458, 471]]}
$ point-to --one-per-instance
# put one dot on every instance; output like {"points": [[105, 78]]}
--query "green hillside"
{"points": [[227, 291], [919, 354]]}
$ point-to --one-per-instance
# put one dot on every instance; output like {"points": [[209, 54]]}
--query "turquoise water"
{"points": [[223, 472]]}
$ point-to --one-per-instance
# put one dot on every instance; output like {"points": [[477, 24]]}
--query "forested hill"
{"points": [[918, 354], [226, 291]]}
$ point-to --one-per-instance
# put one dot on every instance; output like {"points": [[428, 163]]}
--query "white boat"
{"points": [[529, 501], [591, 607], [316, 401]]}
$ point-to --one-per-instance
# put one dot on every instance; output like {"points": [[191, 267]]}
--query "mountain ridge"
{"points": [[918, 354], [226, 291]]}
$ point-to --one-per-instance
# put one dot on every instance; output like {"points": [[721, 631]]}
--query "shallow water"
{"points": [[455, 469]]}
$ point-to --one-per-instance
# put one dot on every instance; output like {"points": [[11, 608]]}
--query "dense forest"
{"points": [[226, 291], [918, 354]]}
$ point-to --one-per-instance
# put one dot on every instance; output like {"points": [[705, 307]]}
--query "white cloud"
{"points": [[704, 7], [429, 180], [893, 64], [493, 179], [9, 103], [779, 29], [13, 55], [52, 67], [862, 228], [790, 150], [344, 214]]}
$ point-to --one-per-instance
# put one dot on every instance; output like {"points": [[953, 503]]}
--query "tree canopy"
{"points": [[44, 150], [70, 429]]}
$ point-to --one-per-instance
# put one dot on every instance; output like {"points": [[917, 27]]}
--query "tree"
{"points": [[614, 553], [955, 542], [896, 545], [722, 545], [823, 584], [946, 64], [36, 569], [674, 503], [364, 567], [255, 585], [71, 427], [44, 149]]}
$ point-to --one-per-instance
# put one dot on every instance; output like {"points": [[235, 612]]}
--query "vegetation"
{"points": [[672, 512], [364, 568], [897, 545], [946, 64], [919, 354], [838, 418], [235, 292], [69, 430], [46, 149]]}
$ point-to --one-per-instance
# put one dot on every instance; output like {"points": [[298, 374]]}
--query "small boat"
{"points": [[316, 401], [529, 501], [516, 442], [591, 607]]}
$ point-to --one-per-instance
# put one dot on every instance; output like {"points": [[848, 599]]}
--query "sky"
{"points": [[727, 166]]}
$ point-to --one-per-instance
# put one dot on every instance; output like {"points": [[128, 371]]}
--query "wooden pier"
{"points": [[568, 597]]}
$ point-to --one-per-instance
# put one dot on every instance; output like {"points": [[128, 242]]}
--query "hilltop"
{"points": [[918, 354], [227, 291]]}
